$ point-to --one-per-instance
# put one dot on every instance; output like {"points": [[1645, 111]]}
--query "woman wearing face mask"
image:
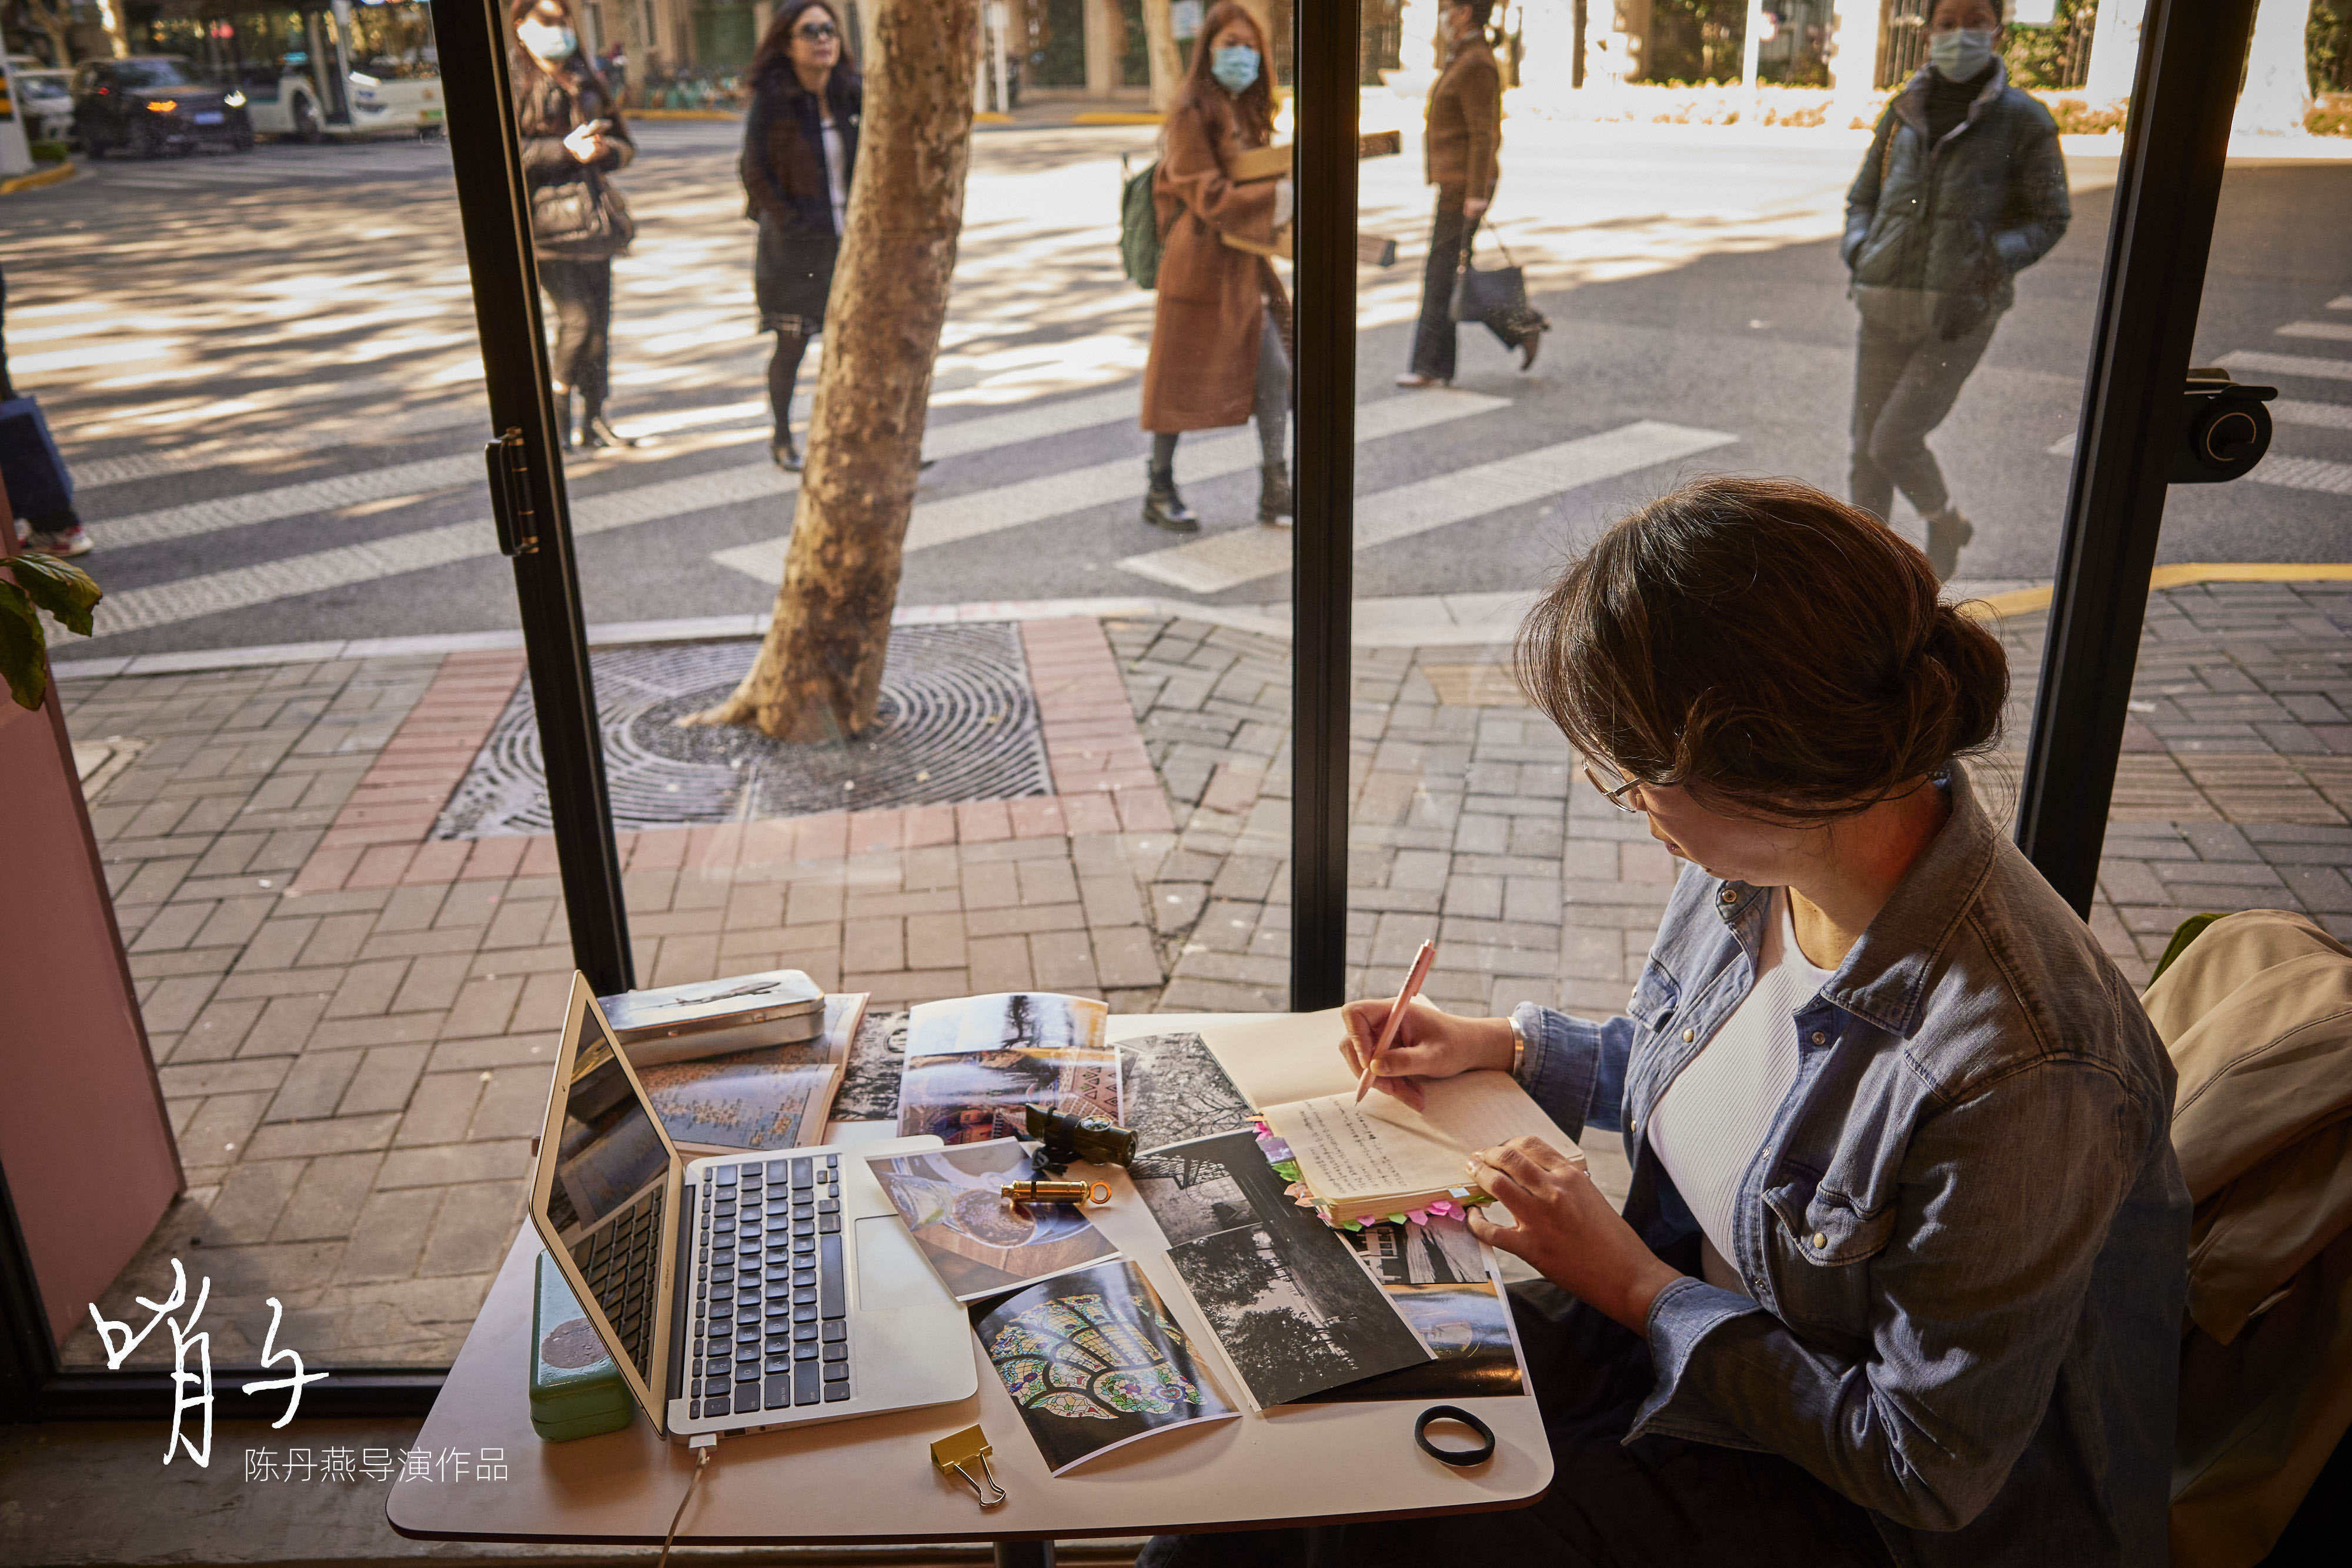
{"points": [[1962, 189], [800, 153], [1221, 321], [1900, 1274], [572, 138], [1460, 152]]}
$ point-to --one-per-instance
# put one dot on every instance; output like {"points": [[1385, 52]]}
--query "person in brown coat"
{"points": [[1461, 152], [1218, 353]]}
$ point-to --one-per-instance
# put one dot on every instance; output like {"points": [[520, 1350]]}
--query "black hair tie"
{"points": [[1460, 1459]]}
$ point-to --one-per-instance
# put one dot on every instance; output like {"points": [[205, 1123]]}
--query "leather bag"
{"points": [[580, 220], [1481, 293]]}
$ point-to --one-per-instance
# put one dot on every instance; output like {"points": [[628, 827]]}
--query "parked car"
{"points": [[45, 97], [148, 105]]}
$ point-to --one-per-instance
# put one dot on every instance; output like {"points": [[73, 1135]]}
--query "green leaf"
{"points": [[23, 647], [59, 587]]}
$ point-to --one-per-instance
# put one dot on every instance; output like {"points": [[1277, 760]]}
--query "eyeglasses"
{"points": [[818, 32], [1615, 794]]}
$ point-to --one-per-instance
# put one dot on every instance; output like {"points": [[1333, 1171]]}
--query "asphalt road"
{"points": [[263, 368]]}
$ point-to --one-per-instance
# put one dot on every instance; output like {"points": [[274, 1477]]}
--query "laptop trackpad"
{"points": [[890, 1268]]}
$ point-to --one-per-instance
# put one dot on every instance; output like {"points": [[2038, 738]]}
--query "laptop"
{"points": [[737, 1293]]}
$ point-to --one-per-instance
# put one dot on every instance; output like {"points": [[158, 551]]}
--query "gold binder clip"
{"points": [[956, 1455]]}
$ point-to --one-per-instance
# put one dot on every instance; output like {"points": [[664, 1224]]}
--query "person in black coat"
{"points": [[800, 153], [1962, 189], [573, 141]]}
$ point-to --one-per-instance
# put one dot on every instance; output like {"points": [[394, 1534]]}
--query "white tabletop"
{"points": [[871, 1479]]}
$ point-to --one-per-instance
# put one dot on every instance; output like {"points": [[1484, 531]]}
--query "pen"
{"points": [[1411, 989]]}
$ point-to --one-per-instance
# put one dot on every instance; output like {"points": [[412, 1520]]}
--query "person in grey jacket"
{"points": [[1900, 1270], [1962, 189]]}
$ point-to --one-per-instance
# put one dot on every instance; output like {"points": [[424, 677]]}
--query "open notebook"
{"points": [[1381, 1157]]}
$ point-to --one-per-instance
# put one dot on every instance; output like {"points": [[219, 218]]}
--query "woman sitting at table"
{"points": [[1901, 1273]]}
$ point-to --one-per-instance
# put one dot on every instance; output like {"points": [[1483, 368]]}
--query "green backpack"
{"points": [[1139, 226]]}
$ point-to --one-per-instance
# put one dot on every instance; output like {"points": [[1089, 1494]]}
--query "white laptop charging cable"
{"points": [[702, 1443]]}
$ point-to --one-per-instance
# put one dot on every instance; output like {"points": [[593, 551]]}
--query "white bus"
{"points": [[315, 69]]}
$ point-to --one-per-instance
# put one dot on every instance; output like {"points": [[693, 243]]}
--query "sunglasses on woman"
{"points": [[818, 32]]}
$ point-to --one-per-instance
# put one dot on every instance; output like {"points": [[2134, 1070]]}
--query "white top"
{"points": [[1713, 1116], [836, 177]]}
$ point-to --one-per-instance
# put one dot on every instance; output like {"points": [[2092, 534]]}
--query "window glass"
{"points": [[2232, 789], [1734, 259]]}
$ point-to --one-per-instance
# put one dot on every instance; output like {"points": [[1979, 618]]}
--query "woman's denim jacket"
{"points": [[1965, 1236]]}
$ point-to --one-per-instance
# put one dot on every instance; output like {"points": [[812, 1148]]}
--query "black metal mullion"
{"points": [[1324, 109], [2192, 53], [487, 155]]}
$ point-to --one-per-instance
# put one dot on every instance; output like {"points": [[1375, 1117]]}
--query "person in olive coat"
{"points": [[572, 138], [800, 153], [1962, 189], [1220, 318]]}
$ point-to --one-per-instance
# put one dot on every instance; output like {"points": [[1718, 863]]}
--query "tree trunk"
{"points": [[2277, 94], [1159, 46], [819, 673]]}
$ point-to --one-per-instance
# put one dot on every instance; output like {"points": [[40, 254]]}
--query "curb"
{"points": [[1430, 621], [2026, 600], [1114, 117], [684, 113], [57, 174]]}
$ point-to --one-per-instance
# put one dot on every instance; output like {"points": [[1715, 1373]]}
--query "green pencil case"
{"points": [[576, 1387]]}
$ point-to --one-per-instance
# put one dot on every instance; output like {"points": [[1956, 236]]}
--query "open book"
{"points": [[1381, 1157]]}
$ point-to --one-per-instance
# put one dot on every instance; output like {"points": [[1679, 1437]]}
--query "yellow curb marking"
{"points": [[2025, 600], [55, 175]]}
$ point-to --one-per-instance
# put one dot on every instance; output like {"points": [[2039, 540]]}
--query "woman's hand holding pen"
{"points": [[1567, 1231], [1429, 1044]]}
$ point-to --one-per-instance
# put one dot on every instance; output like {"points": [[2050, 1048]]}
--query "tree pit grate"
{"points": [[956, 721]]}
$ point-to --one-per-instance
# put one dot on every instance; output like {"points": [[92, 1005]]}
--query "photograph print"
{"points": [[1435, 1275], [1176, 1091], [973, 1096], [954, 1204], [1295, 1310], [1094, 1361]]}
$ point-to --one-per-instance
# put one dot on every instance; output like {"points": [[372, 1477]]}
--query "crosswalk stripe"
{"points": [[1244, 555], [90, 355], [2335, 331], [2283, 410], [2303, 473], [93, 472], [2320, 416], [1053, 495], [326, 495], [2341, 302], [240, 588], [2286, 365]]}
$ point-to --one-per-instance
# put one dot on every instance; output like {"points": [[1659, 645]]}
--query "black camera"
{"points": [[2227, 431]]}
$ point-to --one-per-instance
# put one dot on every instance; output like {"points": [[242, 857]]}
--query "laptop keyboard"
{"points": [[771, 1296], [618, 1260]]}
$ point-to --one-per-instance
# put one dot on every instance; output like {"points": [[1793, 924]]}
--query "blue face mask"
{"points": [[548, 40], [1960, 54], [1235, 67]]}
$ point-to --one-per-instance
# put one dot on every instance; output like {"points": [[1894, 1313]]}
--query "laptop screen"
{"points": [[606, 1198]]}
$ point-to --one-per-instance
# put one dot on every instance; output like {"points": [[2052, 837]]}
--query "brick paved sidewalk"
{"points": [[353, 1020]]}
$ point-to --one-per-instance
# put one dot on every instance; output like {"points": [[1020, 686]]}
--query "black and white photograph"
{"points": [[980, 1245], [1095, 1362], [1295, 1310], [1436, 1275], [1177, 1092]]}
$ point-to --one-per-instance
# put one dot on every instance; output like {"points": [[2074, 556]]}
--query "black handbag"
{"points": [[1483, 293], [580, 220]]}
